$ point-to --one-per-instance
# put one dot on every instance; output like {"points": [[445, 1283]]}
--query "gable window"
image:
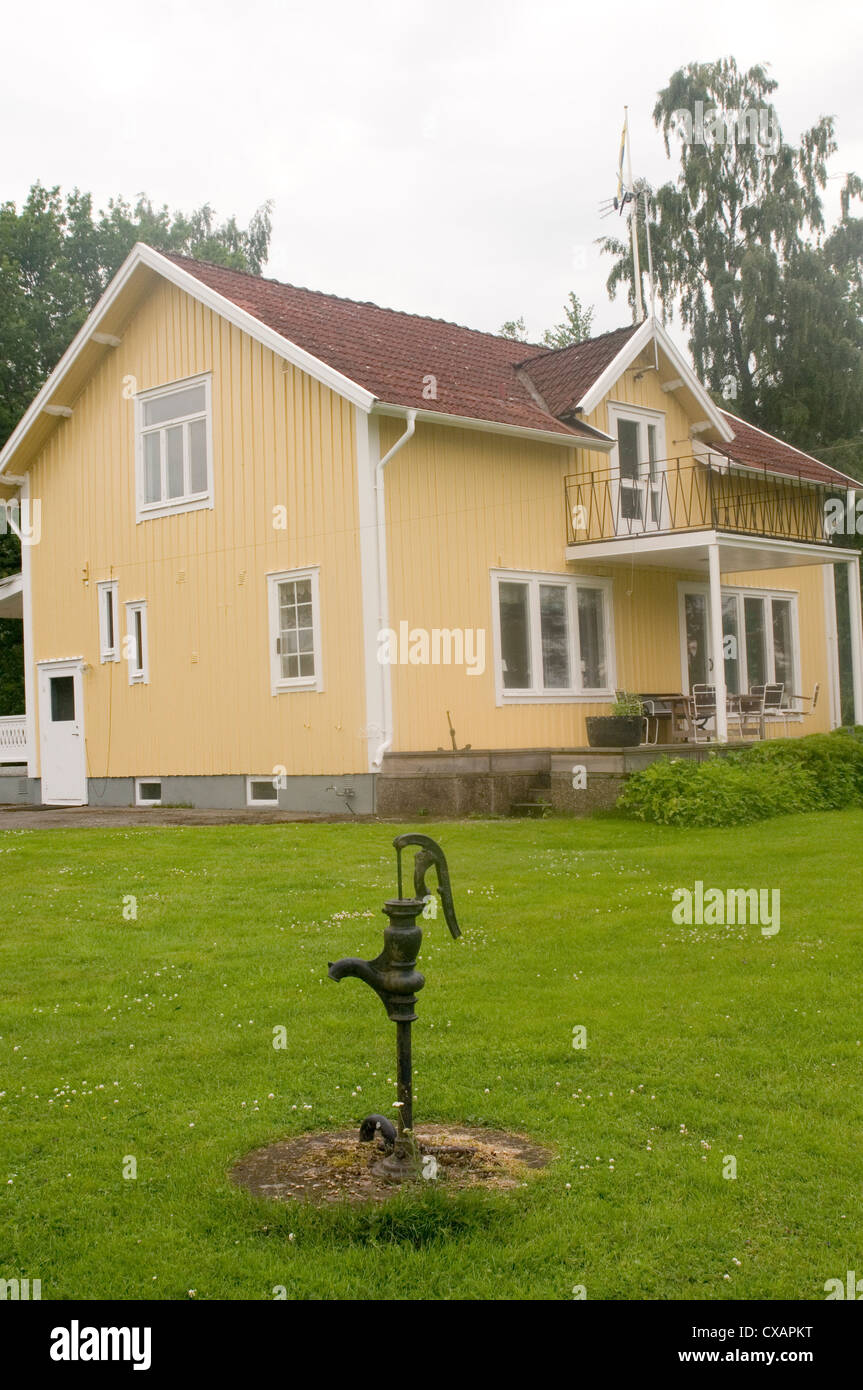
{"points": [[295, 636], [135, 643], [553, 637], [173, 448], [109, 621], [638, 489]]}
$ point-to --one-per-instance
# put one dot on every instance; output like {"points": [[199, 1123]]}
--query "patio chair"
{"points": [[648, 716], [747, 712], [774, 712], [811, 700], [702, 708]]}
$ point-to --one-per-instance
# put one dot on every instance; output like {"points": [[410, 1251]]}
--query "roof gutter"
{"points": [[601, 443], [383, 606]]}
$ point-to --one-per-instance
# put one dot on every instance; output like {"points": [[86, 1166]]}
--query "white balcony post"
{"points": [[715, 602], [854, 612]]}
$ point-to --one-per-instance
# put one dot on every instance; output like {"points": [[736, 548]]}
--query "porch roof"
{"points": [[690, 550], [12, 596]]}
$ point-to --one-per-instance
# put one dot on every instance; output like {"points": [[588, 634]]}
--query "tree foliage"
{"points": [[576, 325], [574, 328], [772, 301], [57, 256]]}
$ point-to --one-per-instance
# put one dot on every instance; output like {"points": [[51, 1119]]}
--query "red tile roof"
{"points": [[390, 353], [754, 448], [480, 376], [562, 377]]}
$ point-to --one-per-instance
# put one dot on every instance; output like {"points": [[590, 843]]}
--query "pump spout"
{"points": [[393, 974], [353, 967]]}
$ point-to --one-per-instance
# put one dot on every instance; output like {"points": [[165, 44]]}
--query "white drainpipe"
{"points": [[387, 704]]}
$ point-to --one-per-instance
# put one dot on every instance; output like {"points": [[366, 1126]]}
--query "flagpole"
{"points": [[633, 222]]}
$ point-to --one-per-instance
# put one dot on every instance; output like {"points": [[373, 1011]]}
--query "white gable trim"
{"points": [[153, 260], [283, 347], [646, 332]]}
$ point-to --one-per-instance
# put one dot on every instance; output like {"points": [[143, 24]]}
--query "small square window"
{"points": [[147, 793], [261, 791]]}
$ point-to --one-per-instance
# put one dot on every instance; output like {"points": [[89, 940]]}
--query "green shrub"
{"points": [[821, 772], [720, 791], [835, 762]]}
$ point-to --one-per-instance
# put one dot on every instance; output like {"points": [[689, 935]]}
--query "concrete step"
{"points": [[534, 809]]}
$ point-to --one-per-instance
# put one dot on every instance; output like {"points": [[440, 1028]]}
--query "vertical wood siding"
{"points": [[278, 438]]}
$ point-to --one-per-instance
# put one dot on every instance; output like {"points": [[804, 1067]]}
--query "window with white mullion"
{"points": [[295, 630], [174, 447], [760, 640], [553, 636]]}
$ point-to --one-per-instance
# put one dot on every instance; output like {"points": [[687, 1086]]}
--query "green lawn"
{"points": [[153, 1038]]}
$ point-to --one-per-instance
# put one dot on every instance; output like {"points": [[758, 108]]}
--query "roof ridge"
{"points": [[582, 342], [345, 299]]}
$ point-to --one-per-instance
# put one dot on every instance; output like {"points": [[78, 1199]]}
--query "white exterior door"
{"points": [[61, 733]]}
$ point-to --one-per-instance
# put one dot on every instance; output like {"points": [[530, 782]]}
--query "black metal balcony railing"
{"points": [[687, 495]]}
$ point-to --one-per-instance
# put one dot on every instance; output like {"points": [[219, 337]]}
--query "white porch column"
{"points": [[854, 609], [831, 631], [715, 601]]}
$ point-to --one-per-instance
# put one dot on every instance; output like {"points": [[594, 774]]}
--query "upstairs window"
{"points": [[174, 448]]}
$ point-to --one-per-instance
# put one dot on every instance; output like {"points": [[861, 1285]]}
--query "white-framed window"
{"points": [[262, 791], [148, 791], [135, 642], [109, 620], [639, 460], [174, 448], [760, 638], [295, 630], [553, 637]]}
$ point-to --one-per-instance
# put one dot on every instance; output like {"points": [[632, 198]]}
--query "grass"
{"points": [[152, 1039]]}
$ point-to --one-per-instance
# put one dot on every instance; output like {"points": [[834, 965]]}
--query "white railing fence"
{"points": [[13, 739]]}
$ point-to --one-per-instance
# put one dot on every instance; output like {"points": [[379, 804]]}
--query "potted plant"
{"points": [[619, 729]]}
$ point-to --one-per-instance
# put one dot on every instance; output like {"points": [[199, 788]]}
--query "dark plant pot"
{"points": [[614, 730]]}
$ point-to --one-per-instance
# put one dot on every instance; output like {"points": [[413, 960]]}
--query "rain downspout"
{"points": [[387, 731]]}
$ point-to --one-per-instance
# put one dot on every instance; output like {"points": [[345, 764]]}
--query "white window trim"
{"points": [[278, 684], [734, 590], [573, 695], [138, 676], [640, 415], [271, 802], [146, 801], [108, 589], [147, 511]]}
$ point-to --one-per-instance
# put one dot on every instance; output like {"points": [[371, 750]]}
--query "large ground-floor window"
{"points": [[553, 636]]}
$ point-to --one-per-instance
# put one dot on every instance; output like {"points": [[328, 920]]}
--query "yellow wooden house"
{"points": [[282, 549]]}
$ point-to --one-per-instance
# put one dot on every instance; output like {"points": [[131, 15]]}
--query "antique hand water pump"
{"points": [[394, 977]]}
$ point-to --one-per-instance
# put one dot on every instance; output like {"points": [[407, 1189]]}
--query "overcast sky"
{"points": [[447, 158]]}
